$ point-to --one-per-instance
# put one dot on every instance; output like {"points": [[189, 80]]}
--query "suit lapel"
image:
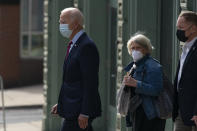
{"points": [[193, 48], [66, 60], [74, 48], [177, 72], [72, 51]]}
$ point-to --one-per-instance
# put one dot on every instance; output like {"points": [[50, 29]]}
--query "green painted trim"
{"points": [[192, 5], [96, 26], [175, 46], [55, 52]]}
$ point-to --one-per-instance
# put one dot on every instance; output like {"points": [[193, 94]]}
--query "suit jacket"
{"points": [[79, 91], [185, 99]]}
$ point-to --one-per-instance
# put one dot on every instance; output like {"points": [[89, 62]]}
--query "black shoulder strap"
{"points": [[144, 72]]}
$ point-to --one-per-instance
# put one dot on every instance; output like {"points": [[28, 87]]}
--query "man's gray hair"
{"points": [[142, 40], [75, 14], [189, 16]]}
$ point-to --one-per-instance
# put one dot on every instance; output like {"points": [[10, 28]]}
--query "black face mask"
{"points": [[181, 35]]}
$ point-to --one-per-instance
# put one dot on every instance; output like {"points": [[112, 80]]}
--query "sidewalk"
{"points": [[19, 98]]}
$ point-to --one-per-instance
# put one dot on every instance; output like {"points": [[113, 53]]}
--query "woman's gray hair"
{"points": [[142, 40]]}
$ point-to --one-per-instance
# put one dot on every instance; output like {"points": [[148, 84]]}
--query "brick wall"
{"points": [[15, 70], [9, 43]]}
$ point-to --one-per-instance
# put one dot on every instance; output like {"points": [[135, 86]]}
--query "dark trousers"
{"points": [[142, 123], [180, 126], [68, 125]]}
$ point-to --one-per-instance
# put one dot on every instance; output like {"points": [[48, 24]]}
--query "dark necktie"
{"points": [[68, 48]]}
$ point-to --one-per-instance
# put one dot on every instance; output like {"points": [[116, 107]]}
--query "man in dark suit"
{"points": [[185, 84], [79, 101]]}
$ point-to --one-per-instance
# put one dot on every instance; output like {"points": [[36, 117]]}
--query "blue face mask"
{"points": [[64, 30]]}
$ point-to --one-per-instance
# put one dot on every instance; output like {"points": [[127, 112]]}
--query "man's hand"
{"points": [[83, 121], [54, 109], [194, 118]]}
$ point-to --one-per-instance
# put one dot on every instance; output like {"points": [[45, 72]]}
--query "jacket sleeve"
{"points": [[89, 67], [152, 83]]}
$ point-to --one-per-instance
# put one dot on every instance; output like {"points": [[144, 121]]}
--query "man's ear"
{"points": [[194, 28], [77, 25]]}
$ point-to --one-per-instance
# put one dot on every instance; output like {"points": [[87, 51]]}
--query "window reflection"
{"points": [[25, 45], [32, 28], [183, 4], [37, 45], [37, 15], [25, 13]]}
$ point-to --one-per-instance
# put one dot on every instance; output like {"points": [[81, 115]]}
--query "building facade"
{"points": [[110, 23], [21, 42]]}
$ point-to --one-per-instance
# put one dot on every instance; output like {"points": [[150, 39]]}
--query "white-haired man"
{"points": [[79, 101]]}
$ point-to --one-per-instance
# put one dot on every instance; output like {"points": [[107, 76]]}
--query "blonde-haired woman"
{"points": [[145, 81]]}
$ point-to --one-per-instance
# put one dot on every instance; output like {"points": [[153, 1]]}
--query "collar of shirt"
{"points": [[75, 38], [188, 45], [185, 49]]}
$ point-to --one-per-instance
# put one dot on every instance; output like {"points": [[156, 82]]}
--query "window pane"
{"points": [[37, 15], [25, 14], [183, 4], [25, 45], [37, 45]]}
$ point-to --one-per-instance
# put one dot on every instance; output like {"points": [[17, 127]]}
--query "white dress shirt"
{"points": [[186, 48], [75, 38]]}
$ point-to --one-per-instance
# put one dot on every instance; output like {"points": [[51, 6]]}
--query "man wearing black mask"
{"points": [[185, 83]]}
